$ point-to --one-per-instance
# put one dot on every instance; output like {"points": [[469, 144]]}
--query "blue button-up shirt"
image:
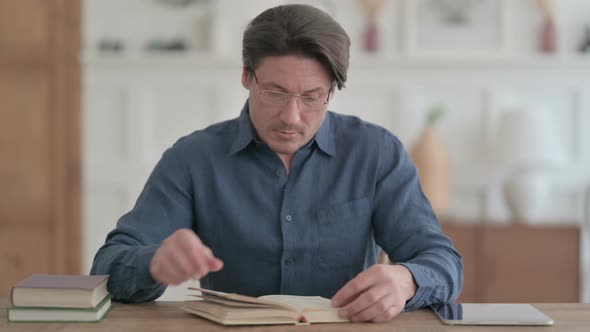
{"points": [[352, 189]]}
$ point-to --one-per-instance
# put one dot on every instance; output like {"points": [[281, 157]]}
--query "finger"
{"points": [[215, 264], [178, 267], [186, 258], [173, 257], [372, 296], [183, 262], [198, 257], [352, 289], [162, 272], [388, 314], [202, 257], [376, 309], [191, 246], [160, 268]]}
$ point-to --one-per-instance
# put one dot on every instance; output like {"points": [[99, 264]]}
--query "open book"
{"points": [[236, 309]]}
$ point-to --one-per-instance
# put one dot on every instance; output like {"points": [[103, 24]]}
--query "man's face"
{"points": [[287, 123]]}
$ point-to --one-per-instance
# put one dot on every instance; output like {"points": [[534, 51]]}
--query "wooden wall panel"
{"points": [[24, 27], [25, 174], [40, 184], [22, 253], [66, 119]]}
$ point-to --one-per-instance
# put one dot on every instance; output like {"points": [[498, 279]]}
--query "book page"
{"points": [[230, 308], [231, 303], [313, 309], [243, 298], [301, 302]]}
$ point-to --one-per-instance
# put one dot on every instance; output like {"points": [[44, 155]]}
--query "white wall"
{"points": [[137, 105]]}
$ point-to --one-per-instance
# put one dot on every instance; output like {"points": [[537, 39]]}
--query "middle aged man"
{"points": [[288, 197]]}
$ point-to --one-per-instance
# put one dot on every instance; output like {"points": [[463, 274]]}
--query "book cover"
{"points": [[236, 309], [35, 314], [52, 290]]}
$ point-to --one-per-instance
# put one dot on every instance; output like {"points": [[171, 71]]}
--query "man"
{"points": [[287, 198]]}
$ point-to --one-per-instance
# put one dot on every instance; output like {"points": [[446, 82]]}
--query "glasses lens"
{"points": [[310, 104], [306, 104], [275, 97]]}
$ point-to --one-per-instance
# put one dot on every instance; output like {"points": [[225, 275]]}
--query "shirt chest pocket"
{"points": [[343, 230]]}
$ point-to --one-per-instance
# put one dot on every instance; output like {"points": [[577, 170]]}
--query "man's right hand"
{"points": [[182, 256]]}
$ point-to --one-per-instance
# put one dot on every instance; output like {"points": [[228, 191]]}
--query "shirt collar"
{"points": [[246, 134], [325, 136]]}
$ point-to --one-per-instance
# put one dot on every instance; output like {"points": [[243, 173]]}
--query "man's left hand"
{"points": [[376, 295]]}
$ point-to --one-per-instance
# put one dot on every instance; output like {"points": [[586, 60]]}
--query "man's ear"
{"points": [[246, 78]]}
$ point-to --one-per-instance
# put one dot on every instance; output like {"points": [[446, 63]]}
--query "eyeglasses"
{"points": [[306, 104]]}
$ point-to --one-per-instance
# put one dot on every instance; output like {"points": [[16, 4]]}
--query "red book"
{"points": [[63, 291]]}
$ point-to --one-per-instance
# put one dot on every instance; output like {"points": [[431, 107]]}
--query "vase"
{"points": [[548, 38], [527, 195], [432, 159], [372, 37]]}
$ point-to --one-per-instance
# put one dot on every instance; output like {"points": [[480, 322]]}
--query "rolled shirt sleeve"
{"points": [[408, 230], [164, 206]]}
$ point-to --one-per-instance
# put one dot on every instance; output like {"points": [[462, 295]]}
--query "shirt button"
{"points": [[289, 261], [288, 217]]}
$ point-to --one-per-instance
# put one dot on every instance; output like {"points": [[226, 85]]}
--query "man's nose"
{"points": [[291, 114]]}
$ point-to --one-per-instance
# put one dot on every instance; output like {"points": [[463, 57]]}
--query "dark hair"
{"points": [[297, 29]]}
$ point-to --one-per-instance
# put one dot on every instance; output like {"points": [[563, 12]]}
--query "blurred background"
{"points": [[491, 97]]}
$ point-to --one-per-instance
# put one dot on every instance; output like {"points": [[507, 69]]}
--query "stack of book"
{"points": [[60, 298]]}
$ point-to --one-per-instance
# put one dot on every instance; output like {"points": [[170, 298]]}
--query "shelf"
{"points": [[169, 59], [546, 62], [358, 61]]}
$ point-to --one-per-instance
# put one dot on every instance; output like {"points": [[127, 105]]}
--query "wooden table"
{"points": [[167, 316]]}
